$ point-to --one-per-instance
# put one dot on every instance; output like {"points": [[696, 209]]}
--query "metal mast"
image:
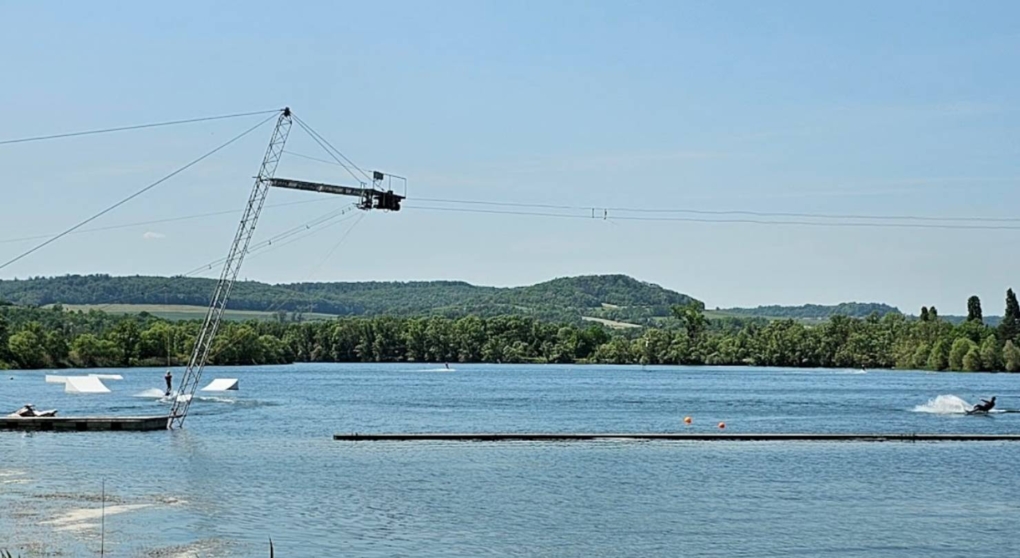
{"points": [[193, 374]]}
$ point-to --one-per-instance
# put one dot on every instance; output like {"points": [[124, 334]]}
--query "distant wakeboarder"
{"points": [[984, 406]]}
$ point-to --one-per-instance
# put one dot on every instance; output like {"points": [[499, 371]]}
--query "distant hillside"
{"points": [[611, 297], [992, 321], [814, 311]]}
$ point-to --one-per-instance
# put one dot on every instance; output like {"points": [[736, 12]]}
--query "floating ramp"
{"points": [[84, 384], [107, 376], [84, 424], [685, 436], [222, 384], [56, 379]]}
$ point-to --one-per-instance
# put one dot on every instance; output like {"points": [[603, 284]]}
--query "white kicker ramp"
{"points": [[107, 376], [56, 379], [85, 384], [222, 384]]}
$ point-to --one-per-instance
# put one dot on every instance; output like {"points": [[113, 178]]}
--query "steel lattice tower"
{"points": [[203, 345]]}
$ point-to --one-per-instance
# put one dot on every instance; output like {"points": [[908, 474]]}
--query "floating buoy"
{"points": [[687, 420], [722, 425]]}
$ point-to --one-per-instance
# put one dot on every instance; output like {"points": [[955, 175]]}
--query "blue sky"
{"points": [[872, 108]]}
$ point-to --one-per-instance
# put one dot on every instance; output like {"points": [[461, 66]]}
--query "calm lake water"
{"points": [[260, 462]]}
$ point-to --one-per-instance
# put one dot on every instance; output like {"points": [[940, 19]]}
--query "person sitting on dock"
{"points": [[169, 382], [984, 406]]}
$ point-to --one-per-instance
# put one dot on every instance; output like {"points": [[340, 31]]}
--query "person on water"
{"points": [[984, 406], [447, 365], [169, 381]]}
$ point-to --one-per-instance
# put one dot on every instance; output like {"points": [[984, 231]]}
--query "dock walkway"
{"points": [[684, 436], [84, 424]]}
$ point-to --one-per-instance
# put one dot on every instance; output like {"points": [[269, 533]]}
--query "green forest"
{"points": [[33, 337], [565, 299], [816, 311]]}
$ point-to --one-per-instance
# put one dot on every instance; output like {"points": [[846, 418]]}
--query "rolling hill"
{"points": [[813, 311], [609, 297], [614, 300]]}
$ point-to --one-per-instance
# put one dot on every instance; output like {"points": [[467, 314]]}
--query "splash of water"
{"points": [[213, 399], [152, 394], [944, 405]]}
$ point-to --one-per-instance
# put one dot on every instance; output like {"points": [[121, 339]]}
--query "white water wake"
{"points": [[214, 399], [162, 397], [944, 405]]}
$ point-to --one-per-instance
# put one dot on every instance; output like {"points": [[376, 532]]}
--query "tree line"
{"points": [[33, 338], [816, 311], [563, 299]]}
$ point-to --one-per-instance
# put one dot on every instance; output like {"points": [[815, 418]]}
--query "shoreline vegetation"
{"points": [[50, 338]]}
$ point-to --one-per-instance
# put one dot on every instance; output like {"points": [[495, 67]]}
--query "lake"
{"points": [[260, 462]]}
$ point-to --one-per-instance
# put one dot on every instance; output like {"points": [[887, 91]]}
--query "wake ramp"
{"points": [[222, 384], [85, 384]]}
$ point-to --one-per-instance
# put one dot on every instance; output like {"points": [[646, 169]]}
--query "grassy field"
{"points": [[181, 312], [609, 323]]}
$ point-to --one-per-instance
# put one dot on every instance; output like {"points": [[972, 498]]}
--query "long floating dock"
{"points": [[84, 424], [684, 436]]}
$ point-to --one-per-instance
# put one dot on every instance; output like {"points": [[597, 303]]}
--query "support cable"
{"points": [[136, 127], [280, 303], [313, 226], [320, 140], [155, 221], [607, 217], [138, 193], [330, 153], [730, 212], [830, 216]]}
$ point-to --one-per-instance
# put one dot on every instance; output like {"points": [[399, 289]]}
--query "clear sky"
{"points": [[872, 108]]}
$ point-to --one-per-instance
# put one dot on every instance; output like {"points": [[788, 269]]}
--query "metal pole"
{"points": [[102, 528]]}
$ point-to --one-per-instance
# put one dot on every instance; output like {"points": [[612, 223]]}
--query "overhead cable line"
{"points": [[601, 209], [607, 217], [310, 158], [728, 212], [137, 127], [816, 215], [140, 192], [313, 226], [319, 139], [328, 152], [155, 221], [335, 150], [335, 246], [283, 301], [312, 230]]}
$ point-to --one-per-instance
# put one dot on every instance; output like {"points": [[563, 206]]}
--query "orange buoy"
{"points": [[722, 425], [687, 420]]}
